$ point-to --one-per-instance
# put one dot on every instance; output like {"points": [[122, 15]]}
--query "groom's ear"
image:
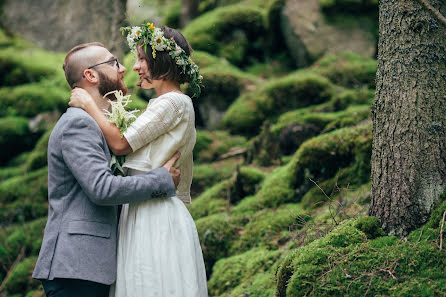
{"points": [[91, 76]]}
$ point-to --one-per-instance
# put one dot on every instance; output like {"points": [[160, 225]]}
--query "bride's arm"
{"points": [[81, 98]]}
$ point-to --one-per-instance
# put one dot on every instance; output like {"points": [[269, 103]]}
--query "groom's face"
{"points": [[110, 75]]}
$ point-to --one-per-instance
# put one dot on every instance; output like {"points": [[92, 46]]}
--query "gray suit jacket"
{"points": [[80, 235]]}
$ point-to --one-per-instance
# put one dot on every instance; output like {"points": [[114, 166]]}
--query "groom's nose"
{"points": [[122, 69]]}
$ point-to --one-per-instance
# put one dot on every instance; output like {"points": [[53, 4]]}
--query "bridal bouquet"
{"points": [[122, 119]]}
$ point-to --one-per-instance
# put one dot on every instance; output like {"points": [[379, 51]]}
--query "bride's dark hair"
{"points": [[163, 67]]}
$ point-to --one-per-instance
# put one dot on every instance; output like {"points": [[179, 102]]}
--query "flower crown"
{"points": [[148, 34]]}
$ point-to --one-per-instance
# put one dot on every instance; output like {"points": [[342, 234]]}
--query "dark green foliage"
{"points": [[348, 69], [230, 272], [216, 235], [15, 137], [19, 203], [232, 32], [31, 99], [297, 90], [370, 226]]}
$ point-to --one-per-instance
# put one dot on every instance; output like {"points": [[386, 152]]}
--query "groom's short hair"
{"points": [[74, 69]]}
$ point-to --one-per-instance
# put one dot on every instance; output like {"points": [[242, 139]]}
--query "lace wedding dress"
{"points": [[159, 253]]}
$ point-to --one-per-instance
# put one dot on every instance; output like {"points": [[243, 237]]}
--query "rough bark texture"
{"points": [[59, 25], [409, 115]]}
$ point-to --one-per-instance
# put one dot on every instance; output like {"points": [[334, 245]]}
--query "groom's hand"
{"points": [[174, 172]]}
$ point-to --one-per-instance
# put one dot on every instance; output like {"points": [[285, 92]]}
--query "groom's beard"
{"points": [[107, 85]]}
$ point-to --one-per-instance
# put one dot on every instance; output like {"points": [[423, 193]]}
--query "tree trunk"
{"points": [[189, 10], [409, 114]]}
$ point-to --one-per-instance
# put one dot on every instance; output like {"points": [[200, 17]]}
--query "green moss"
{"points": [[25, 65], [208, 175], [347, 262], [348, 69], [8, 172], [246, 183], [211, 145], [212, 201], [230, 272], [31, 99], [23, 198], [15, 137], [216, 235], [321, 157], [346, 98], [268, 228], [38, 158], [294, 91], [20, 279], [172, 14], [215, 31], [14, 238]]}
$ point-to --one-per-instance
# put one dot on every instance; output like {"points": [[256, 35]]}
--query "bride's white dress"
{"points": [[159, 253]]}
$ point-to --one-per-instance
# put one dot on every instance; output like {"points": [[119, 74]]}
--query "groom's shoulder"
{"points": [[76, 117]]}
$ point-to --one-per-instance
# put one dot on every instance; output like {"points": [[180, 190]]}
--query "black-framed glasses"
{"points": [[109, 61]]}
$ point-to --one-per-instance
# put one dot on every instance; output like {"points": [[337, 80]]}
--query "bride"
{"points": [[159, 253]]}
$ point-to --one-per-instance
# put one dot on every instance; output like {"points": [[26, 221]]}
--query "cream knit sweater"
{"points": [[166, 126]]}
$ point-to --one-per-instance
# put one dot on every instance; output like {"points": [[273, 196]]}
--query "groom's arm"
{"points": [[85, 157]]}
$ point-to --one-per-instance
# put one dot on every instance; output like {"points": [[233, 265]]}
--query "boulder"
{"points": [[310, 34], [59, 25]]}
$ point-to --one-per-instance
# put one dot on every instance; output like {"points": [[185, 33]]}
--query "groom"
{"points": [[78, 252]]}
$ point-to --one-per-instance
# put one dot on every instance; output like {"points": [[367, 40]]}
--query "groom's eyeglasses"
{"points": [[109, 61]]}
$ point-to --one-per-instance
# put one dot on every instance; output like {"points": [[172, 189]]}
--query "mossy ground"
{"points": [[270, 223]]}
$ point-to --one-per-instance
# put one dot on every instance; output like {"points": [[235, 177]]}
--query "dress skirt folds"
{"points": [[159, 253]]}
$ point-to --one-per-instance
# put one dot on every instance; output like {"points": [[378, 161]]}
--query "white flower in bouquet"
{"points": [[122, 119]]}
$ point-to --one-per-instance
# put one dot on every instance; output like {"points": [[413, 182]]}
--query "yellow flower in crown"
{"points": [[151, 26]]}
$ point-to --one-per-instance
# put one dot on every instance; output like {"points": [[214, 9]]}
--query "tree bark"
{"points": [[189, 10], [409, 115]]}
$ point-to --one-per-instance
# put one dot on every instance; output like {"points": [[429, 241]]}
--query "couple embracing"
{"points": [[158, 252]]}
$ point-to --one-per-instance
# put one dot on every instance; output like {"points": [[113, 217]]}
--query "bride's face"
{"points": [[142, 68]]}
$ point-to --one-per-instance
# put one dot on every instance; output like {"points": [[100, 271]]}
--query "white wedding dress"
{"points": [[159, 253]]}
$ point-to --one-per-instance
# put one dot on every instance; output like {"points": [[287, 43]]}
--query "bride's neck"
{"points": [[165, 86]]}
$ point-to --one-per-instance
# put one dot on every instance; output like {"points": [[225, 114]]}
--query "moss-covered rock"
{"points": [[346, 262], [221, 88], [268, 228], [213, 144], [246, 182], [26, 65], [38, 157], [31, 99], [21, 203], [216, 235], [20, 279], [208, 175], [291, 92], [230, 272], [212, 201], [321, 157], [232, 32], [15, 137], [348, 69], [14, 239]]}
